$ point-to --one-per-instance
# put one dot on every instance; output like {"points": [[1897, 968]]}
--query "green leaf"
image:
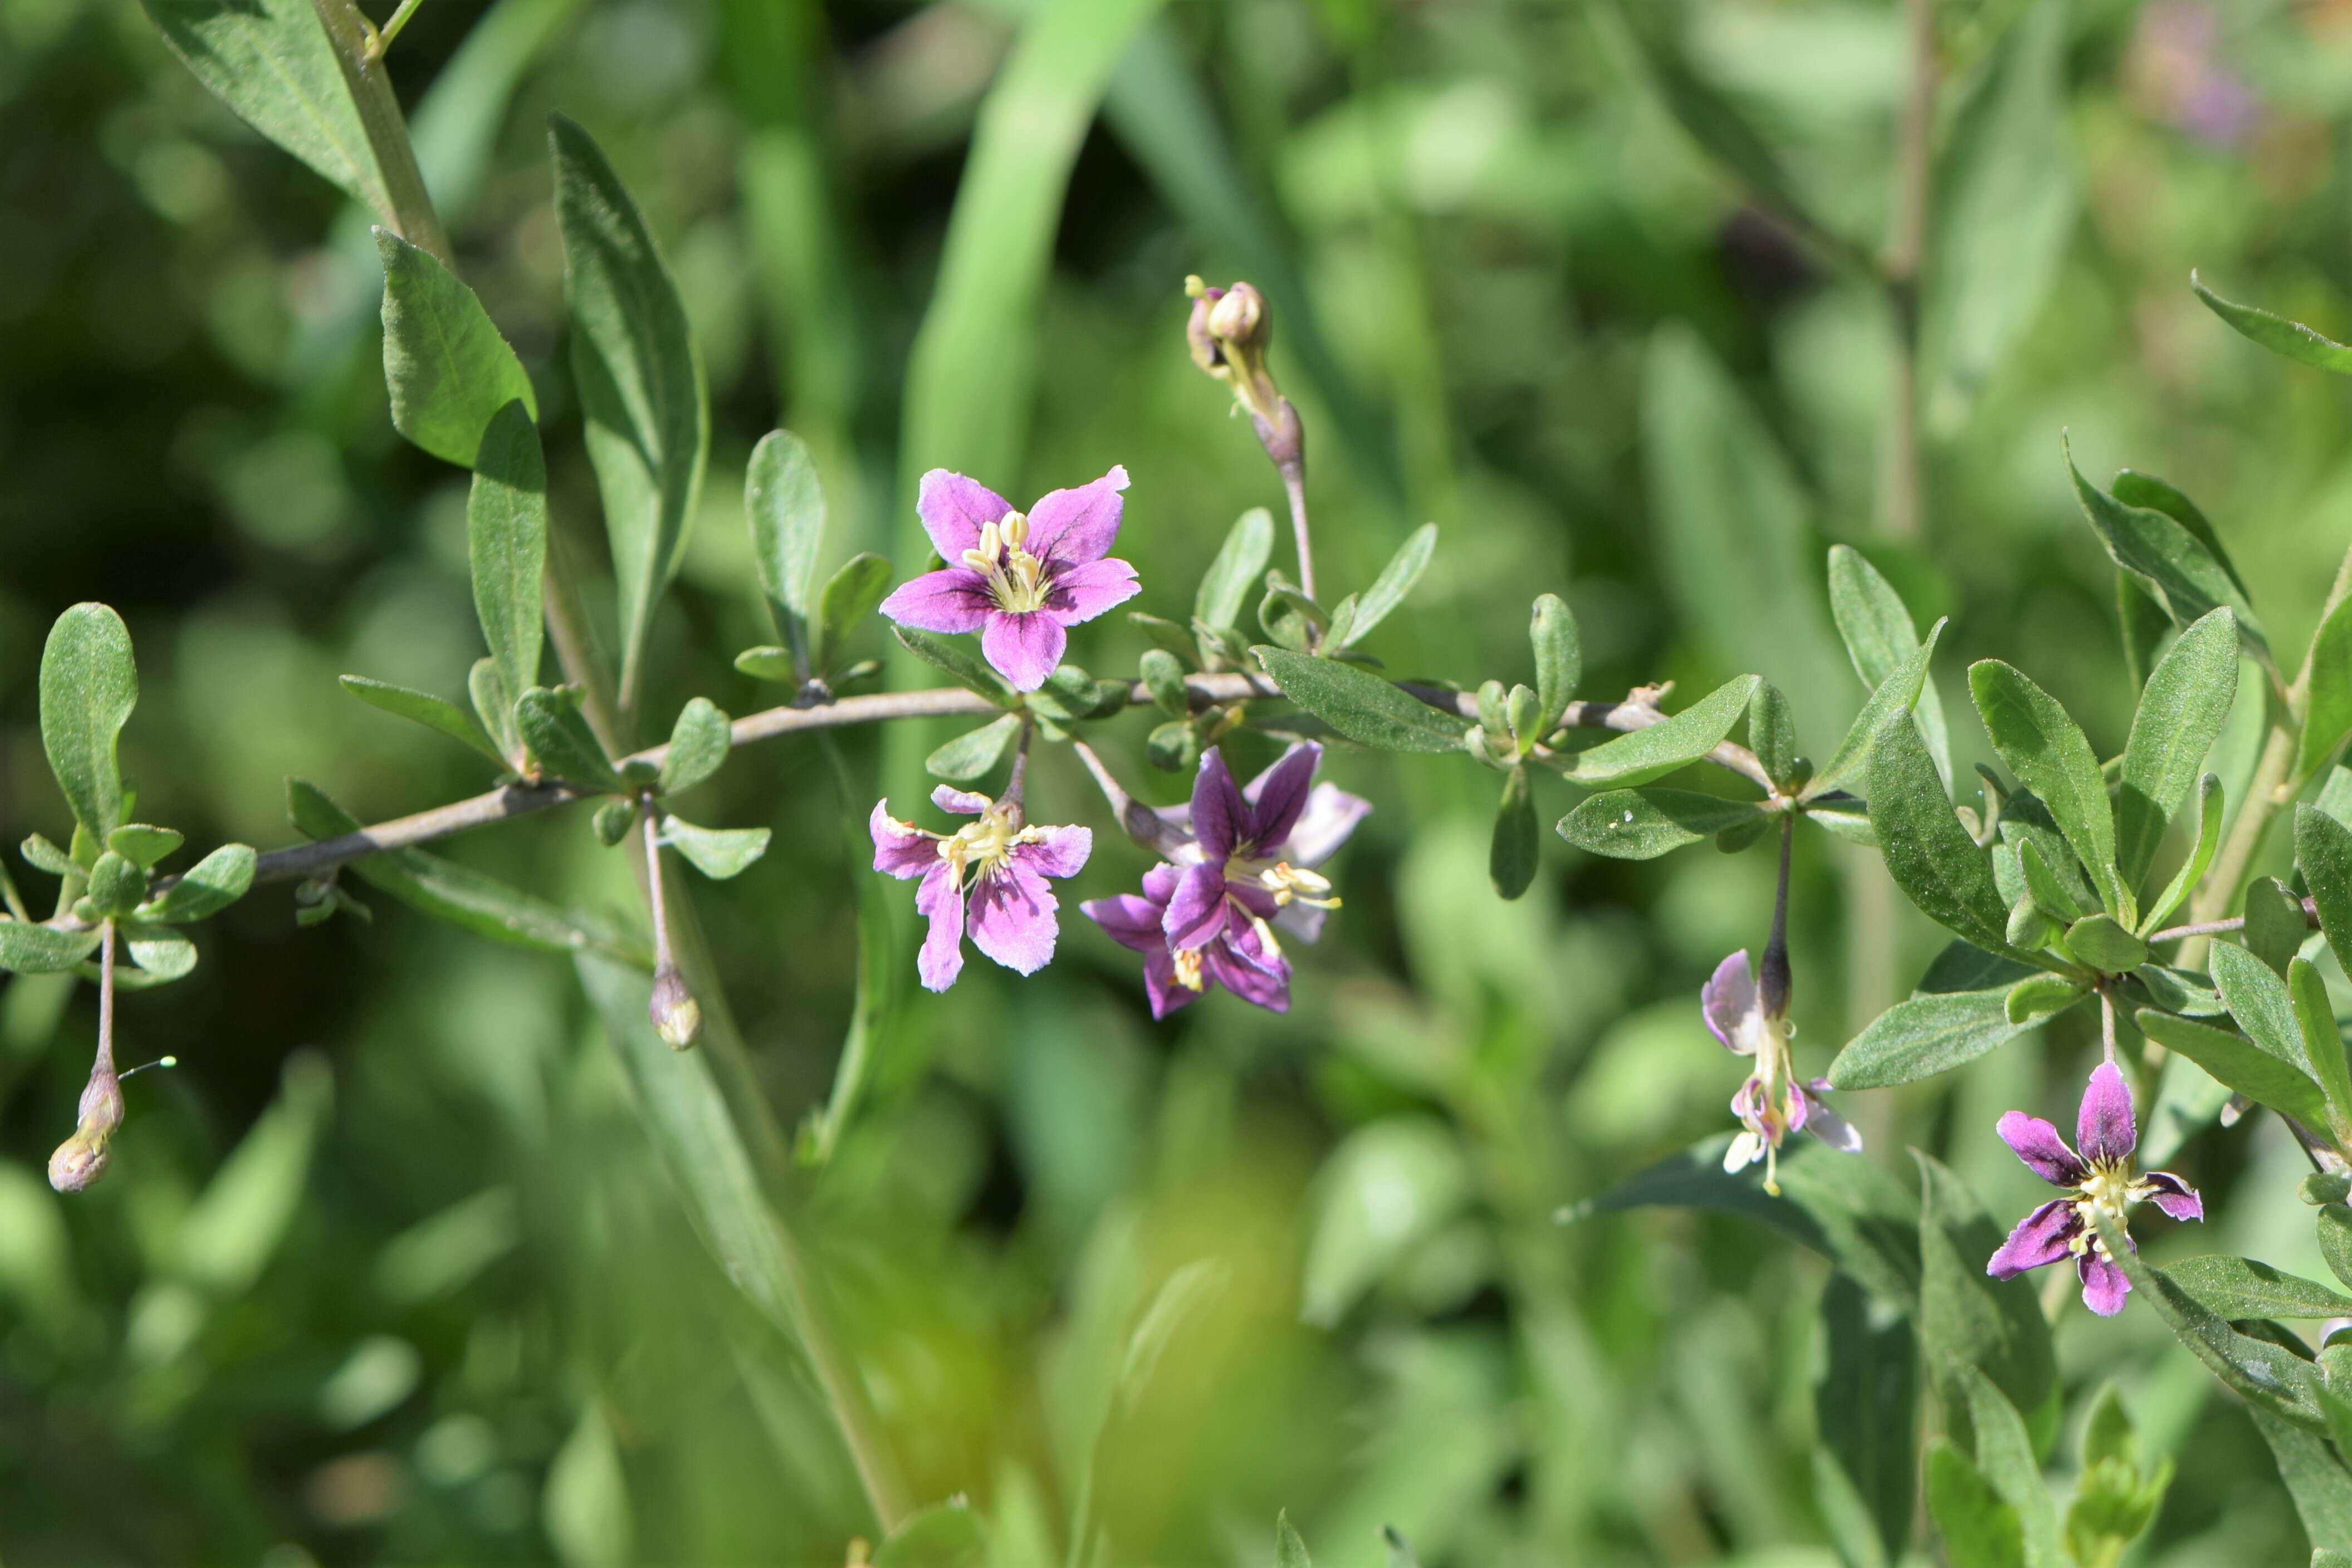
{"points": [[144, 845], [494, 706], [1927, 852], [557, 734], [506, 539], [2237, 1061], [1662, 748], [2181, 711], [2240, 1288], [1389, 590], [1559, 659], [1643, 824], [697, 747], [1847, 1209], [1905, 689], [2051, 756], [2005, 1457], [2317, 1481], [850, 595], [1289, 1552], [1772, 733], [1881, 639], [2137, 489], [2042, 885], [955, 661], [2276, 333], [2322, 848], [161, 957], [2267, 1377], [2276, 923], [2141, 623], [2256, 996], [1390, 1185], [1512, 856], [969, 756], [1240, 561], [2179, 569], [1979, 1531], [785, 503], [2097, 940], [46, 856], [1968, 1319], [89, 687], [464, 897], [2038, 997], [1162, 674], [433, 713], [945, 1535], [449, 371], [206, 888], [2323, 1047], [769, 664], [639, 379], [1359, 705], [2328, 714], [1924, 1036], [2334, 1222], [29, 949], [116, 885], [2007, 200], [272, 62], [2201, 858], [1864, 1406], [717, 853]]}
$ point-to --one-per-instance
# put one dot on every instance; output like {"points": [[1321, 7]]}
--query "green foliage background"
{"points": [[387, 1269]]}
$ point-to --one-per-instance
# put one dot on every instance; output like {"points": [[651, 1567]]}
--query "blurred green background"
{"points": [[387, 1272]]}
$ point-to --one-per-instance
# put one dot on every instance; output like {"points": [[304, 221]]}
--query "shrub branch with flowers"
{"points": [[2059, 877]]}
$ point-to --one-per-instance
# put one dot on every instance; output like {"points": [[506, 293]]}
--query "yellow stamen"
{"points": [[1188, 969], [1016, 579], [1289, 883]]}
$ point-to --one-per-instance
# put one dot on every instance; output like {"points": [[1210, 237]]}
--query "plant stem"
{"points": [[2108, 1024], [106, 1001], [1294, 485], [381, 38], [408, 209]]}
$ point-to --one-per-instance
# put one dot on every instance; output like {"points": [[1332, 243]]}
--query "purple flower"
{"points": [[1773, 1103], [2101, 1176], [1241, 861], [1019, 580], [1000, 862]]}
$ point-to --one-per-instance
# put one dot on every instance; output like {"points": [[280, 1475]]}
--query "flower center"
{"points": [[2111, 1187], [1187, 967], [984, 843], [1015, 578]]}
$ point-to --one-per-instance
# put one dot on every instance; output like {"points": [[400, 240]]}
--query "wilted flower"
{"points": [[1000, 862], [1773, 1103], [2101, 1176], [1242, 860], [1019, 580]]}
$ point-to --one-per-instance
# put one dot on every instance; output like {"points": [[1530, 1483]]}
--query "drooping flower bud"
{"points": [[677, 1016], [81, 1159], [1229, 330]]}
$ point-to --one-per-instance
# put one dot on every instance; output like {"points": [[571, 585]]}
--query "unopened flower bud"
{"points": [[675, 1015], [1228, 332], [1237, 318], [82, 1158]]}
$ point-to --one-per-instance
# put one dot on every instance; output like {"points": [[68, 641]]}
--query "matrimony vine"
{"points": [[2047, 883]]}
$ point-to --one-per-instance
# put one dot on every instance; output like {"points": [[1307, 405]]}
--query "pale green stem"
{"points": [[410, 210]]}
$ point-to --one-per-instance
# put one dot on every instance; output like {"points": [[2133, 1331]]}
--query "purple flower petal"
{"points": [[1058, 851], [1160, 983], [942, 902], [2042, 1236], [2105, 1131], [1160, 884], [1220, 816], [1197, 913], [953, 600], [954, 510], [959, 802], [1243, 967], [1013, 916], [1076, 525], [1304, 921], [1830, 1127], [1277, 796], [899, 847], [1024, 647], [1331, 814], [2037, 1143], [2174, 1196], [2104, 1285], [1083, 591], [1129, 921], [1729, 996]]}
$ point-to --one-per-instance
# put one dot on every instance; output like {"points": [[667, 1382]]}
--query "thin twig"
{"points": [[2234, 922], [1294, 485]]}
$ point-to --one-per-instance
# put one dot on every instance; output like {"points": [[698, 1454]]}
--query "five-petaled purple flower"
{"points": [[2102, 1176], [1019, 580], [1773, 1103], [1001, 863], [1241, 861]]}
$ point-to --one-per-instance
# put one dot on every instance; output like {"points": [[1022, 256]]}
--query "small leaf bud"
{"points": [[611, 822], [675, 1015], [1524, 716]]}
